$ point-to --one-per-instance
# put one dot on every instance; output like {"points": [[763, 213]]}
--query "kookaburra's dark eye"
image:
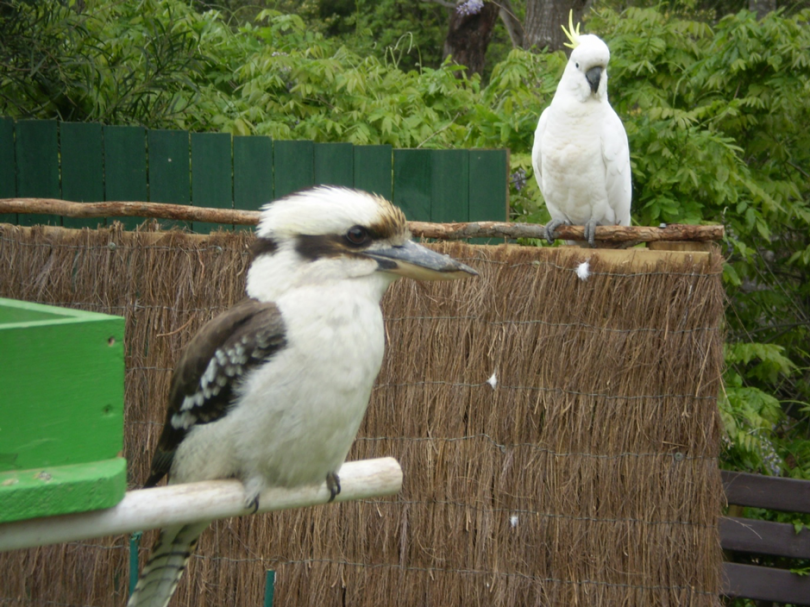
{"points": [[357, 236]]}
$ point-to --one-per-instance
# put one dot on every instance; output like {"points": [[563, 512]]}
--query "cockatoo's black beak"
{"points": [[594, 75]]}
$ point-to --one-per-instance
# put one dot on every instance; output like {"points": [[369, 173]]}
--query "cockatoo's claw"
{"points": [[590, 233], [551, 230], [333, 484], [252, 503]]}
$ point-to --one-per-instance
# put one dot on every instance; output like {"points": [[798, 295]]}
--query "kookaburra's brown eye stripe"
{"points": [[212, 366], [323, 246], [263, 246]]}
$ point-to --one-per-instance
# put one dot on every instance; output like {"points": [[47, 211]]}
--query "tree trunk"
{"points": [[469, 36], [544, 21], [513, 25], [761, 7]]}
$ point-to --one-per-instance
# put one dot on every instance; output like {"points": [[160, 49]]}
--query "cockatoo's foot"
{"points": [[590, 233], [252, 503], [551, 229], [333, 484]]}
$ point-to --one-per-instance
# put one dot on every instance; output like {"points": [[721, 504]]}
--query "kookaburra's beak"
{"points": [[415, 261]]}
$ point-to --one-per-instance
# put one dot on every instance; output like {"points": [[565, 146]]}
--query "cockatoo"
{"points": [[581, 157]]}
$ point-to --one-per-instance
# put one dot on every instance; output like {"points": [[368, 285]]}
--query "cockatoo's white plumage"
{"points": [[581, 156]]}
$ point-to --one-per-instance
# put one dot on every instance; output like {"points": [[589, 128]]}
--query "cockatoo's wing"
{"points": [[616, 154], [537, 162], [537, 154]]}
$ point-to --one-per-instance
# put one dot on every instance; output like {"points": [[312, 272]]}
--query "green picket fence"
{"points": [[87, 162]]}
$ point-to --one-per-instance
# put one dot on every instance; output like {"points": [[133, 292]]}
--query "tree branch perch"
{"points": [[441, 231]]}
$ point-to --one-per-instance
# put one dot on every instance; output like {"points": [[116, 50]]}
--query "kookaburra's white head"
{"points": [[328, 233], [585, 75]]}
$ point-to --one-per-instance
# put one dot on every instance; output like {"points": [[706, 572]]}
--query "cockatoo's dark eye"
{"points": [[357, 236], [577, 65]]}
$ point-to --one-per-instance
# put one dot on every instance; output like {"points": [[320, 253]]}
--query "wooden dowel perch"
{"points": [[162, 506], [442, 231]]}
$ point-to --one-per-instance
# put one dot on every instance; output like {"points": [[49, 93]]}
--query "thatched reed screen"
{"points": [[558, 436]]}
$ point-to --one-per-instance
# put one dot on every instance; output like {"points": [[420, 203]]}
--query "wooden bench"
{"points": [[764, 537]]}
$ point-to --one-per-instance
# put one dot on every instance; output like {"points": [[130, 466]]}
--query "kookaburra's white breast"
{"points": [[337, 341]]}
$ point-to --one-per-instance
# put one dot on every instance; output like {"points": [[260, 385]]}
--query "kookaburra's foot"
{"points": [[590, 233], [551, 229], [333, 484]]}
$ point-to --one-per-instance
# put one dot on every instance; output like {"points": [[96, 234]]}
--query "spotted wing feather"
{"points": [[211, 367]]}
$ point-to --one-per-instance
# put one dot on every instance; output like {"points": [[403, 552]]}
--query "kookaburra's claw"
{"points": [[333, 484], [551, 229], [590, 233]]}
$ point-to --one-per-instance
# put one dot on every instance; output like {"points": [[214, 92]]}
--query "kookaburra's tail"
{"points": [[162, 572]]}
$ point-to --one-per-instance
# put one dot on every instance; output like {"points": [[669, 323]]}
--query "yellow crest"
{"points": [[571, 33]]}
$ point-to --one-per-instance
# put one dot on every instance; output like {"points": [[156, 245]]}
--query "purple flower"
{"points": [[470, 7], [519, 179]]}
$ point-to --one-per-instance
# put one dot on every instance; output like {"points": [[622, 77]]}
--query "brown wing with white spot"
{"points": [[211, 367]]}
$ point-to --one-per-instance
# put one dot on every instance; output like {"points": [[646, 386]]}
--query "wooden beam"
{"points": [[765, 584], [150, 210], [617, 234], [759, 491], [764, 537], [175, 504], [420, 229]]}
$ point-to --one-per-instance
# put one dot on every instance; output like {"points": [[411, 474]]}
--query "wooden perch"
{"points": [[420, 229], [494, 229], [174, 504]]}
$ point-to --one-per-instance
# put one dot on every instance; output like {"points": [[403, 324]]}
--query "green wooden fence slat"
{"points": [[373, 169], [294, 166], [38, 166], [8, 167], [412, 183], [125, 167], [334, 164], [211, 174], [449, 186], [82, 168], [489, 189], [252, 173], [169, 179]]}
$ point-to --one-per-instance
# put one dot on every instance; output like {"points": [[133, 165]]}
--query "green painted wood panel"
{"points": [[169, 177], [489, 189], [82, 156], [52, 490], [450, 175], [252, 173], [37, 166], [294, 165], [413, 183], [125, 168], [373, 169], [8, 167], [75, 418], [334, 164], [82, 355], [211, 174]]}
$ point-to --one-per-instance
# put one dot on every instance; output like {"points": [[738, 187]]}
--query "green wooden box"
{"points": [[61, 410]]}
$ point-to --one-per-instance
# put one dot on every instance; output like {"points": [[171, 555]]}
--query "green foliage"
{"points": [[715, 114]]}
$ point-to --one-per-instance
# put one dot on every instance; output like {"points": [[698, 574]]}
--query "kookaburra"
{"points": [[272, 391]]}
